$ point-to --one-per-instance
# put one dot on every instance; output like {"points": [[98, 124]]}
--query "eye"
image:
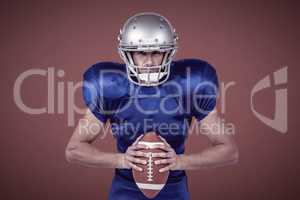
{"points": [[156, 53], [143, 53]]}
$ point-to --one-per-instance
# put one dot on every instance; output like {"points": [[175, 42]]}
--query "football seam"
{"points": [[150, 168]]}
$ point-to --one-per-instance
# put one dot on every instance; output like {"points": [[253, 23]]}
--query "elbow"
{"points": [[235, 155], [70, 153]]}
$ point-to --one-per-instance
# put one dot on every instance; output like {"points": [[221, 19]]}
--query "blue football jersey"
{"points": [[167, 109]]}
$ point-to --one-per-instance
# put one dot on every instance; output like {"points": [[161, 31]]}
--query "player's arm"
{"points": [[80, 148], [223, 149]]}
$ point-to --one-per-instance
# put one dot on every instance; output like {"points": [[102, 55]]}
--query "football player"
{"points": [[150, 92]]}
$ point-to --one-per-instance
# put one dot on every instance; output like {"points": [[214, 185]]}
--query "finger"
{"points": [[136, 147], [160, 155], [137, 140], [140, 146], [167, 168], [164, 147], [164, 140], [138, 153], [136, 160], [133, 166], [164, 161]]}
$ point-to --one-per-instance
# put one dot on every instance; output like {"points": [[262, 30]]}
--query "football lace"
{"points": [[150, 167]]}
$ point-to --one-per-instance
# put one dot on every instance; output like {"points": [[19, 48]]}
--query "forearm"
{"points": [[215, 156], [88, 155]]}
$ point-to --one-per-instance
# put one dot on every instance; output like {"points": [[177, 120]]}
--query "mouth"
{"points": [[151, 69]]}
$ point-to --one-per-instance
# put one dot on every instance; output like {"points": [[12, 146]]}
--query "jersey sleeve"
{"points": [[205, 92], [91, 94]]}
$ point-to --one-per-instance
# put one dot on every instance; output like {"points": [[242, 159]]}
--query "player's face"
{"points": [[146, 60]]}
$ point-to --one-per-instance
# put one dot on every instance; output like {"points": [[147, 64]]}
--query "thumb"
{"points": [[164, 140], [137, 140]]}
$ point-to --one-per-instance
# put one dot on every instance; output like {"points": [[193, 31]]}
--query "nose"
{"points": [[148, 60]]}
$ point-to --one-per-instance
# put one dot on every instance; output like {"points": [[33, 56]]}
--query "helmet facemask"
{"points": [[148, 75]]}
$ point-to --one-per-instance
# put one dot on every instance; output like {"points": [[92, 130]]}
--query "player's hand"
{"points": [[169, 157], [132, 156]]}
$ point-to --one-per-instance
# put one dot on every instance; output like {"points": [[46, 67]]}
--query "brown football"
{"points": [[150, 181]]}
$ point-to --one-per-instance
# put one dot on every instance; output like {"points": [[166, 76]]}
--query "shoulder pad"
{"points": [[201, 80], [110, 78], [103, 85]]}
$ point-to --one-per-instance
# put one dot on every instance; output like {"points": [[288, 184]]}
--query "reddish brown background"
{"points": [[244, 40]]}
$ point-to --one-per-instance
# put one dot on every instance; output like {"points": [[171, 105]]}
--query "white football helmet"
{"points": [[147, 32]]}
